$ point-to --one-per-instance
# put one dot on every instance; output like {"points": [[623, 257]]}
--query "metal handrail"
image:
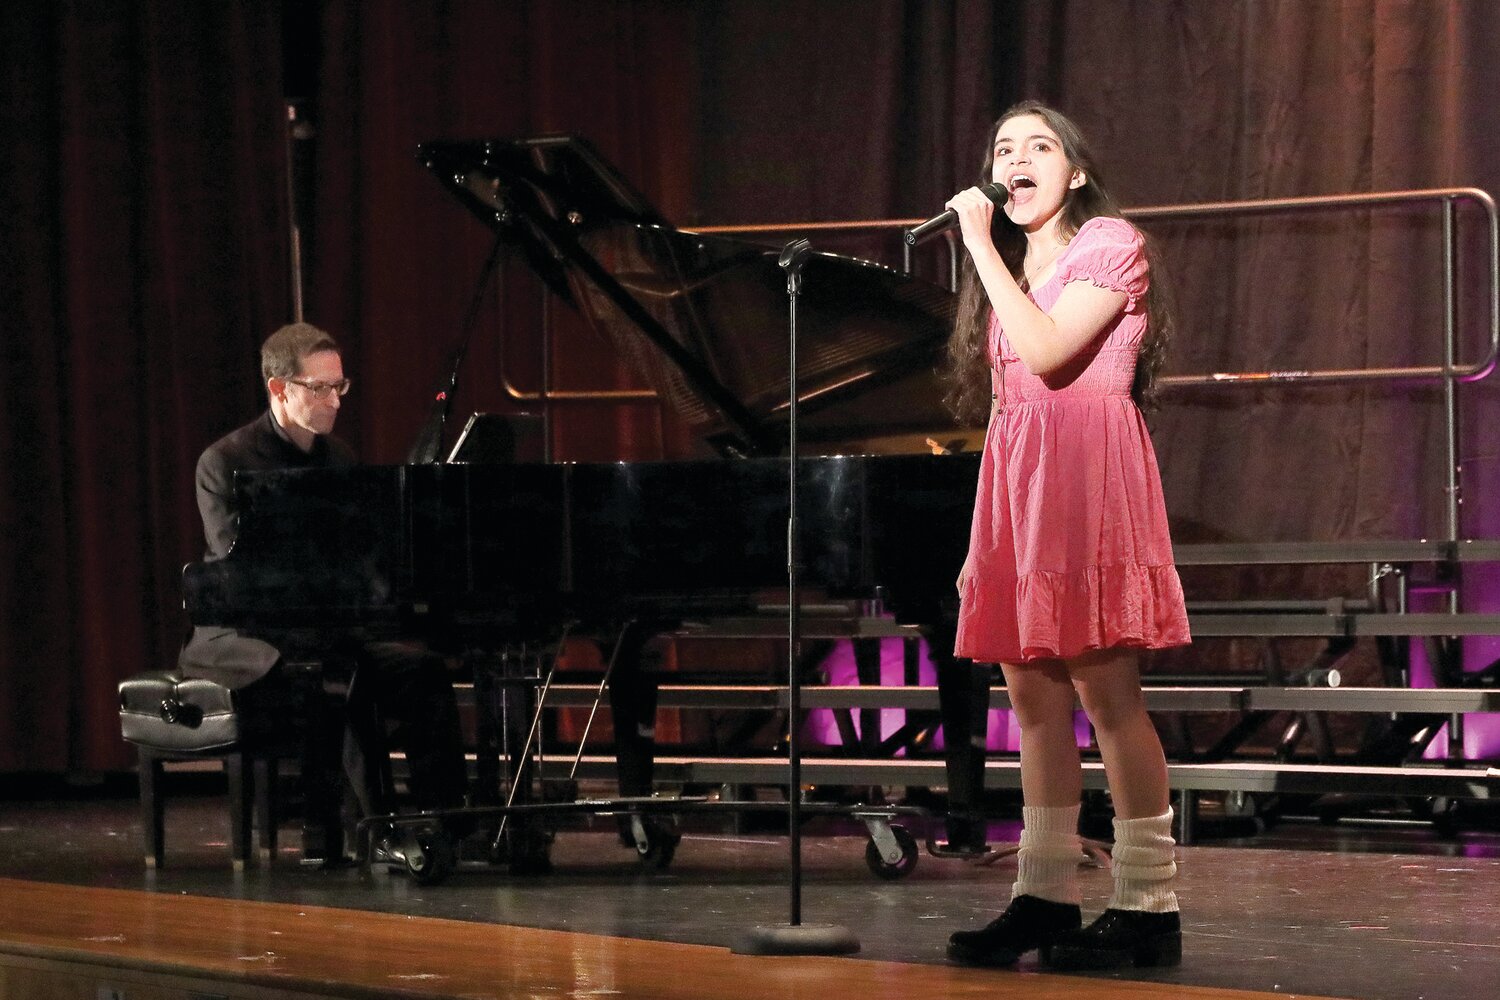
{"points": [[547, 395], [1267, 206], [1447, 197], [1447, 372], [1450, 368]]}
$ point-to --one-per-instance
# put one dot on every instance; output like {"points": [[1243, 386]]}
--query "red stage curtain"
{"points": [[397, 259], [144, 186], [144, 259]]}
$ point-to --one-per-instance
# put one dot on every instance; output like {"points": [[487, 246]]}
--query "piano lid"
{"points": [[703, 319]]}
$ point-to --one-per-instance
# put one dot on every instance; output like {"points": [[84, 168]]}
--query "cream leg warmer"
{"points": [[1047, 865], [1144, 864]]}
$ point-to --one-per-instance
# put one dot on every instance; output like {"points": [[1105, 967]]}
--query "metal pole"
{"points": [[795, 938], [1450, 351], [1454, 483], [294, 231], [794, 610]]}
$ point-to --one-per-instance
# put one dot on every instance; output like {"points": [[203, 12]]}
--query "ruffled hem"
{"points": [[1060, 615]]}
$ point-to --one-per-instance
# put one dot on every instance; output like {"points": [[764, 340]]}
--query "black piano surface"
{"points": [[432, 547], [463, 550]]}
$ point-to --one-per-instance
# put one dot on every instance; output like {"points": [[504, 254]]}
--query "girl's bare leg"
{"points": [[1109, 686], [1041, 695]]}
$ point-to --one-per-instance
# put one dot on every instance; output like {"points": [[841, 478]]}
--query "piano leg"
{"points": [[523, 842], [632, 704], [867, 670], [488, 711], [964, 701]]}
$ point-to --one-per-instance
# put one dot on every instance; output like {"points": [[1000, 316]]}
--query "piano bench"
{"points": [[168, 717]]}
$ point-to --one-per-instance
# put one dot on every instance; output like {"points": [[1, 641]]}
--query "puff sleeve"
{"points": [[1110, 253]]}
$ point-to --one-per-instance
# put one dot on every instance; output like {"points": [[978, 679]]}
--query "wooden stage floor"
{"points": [[1401, 916]]}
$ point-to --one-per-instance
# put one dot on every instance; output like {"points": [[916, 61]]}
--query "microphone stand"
{"points": [[795, 937]]}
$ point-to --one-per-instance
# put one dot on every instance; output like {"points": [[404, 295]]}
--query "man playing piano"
{"points": [[383, 685]]}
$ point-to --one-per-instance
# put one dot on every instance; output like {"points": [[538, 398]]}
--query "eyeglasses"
{"points": [[320, 390]]}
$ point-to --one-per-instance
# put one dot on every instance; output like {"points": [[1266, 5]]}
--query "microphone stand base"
{"points": [[797, 939]]}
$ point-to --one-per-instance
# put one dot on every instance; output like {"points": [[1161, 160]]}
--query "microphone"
{"points": [[949, 219]]}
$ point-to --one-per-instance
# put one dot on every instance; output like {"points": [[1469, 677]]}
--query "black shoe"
{"points": [[1119, 938], [1028, 923]]}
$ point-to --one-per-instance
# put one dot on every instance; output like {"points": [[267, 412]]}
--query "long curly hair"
{"points": [[968, 364]]}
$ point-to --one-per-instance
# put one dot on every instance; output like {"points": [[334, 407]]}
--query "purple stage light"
{"points": [[840, 669]]}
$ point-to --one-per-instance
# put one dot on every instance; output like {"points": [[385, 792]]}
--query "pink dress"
{"points": [[1069, 546]]}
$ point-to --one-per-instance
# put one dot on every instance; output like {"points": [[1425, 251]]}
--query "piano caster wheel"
{"points": [[660, 849], [898, 869], [426, 855], [655, 840], [430, 857], [1446, 815]]}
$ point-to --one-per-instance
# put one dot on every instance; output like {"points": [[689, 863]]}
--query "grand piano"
{"points": [[468, 553]]}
